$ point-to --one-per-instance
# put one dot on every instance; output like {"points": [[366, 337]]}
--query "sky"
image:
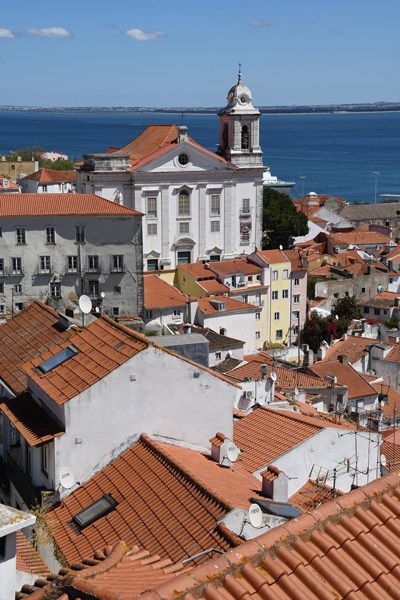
{"points": [[172, 53]]}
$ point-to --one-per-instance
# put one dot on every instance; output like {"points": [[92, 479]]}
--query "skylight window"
{"points": [[57, 360], [96, 510]]}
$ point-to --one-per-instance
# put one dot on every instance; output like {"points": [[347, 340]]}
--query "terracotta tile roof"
{"points": [[392, 406], [159, 508], [353, 347], [51, 176], [30, 333], [273, 256], [231, 305], [295, 259], [271, 473], [394, 354], [237, 265], [160, 294], [213, 286], [346, 549], [28, 560], [359, 237], [313, 494], [391, 451], [154, 141], [345, 375], [197, 270], [217, 341], [286, 378], [383, 300], [264, 435], [9, 185], [101, 347], [233, 486], [31, 205], [151, 139], [111, 570], [226, 365], [33, 422]]}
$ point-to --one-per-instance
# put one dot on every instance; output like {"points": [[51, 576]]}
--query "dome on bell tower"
{"points": [[239, 98], [239, 128]]}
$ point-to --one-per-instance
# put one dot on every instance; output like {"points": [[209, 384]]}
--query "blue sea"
{"points": [[352, 155]]}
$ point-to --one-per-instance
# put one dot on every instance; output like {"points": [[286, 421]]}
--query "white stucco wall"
{"points": [[241, 326], [331, 448], [154, 392]]}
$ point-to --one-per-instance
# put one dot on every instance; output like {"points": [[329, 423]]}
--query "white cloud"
{"points": [[6, 33], [142, 36], [258, 24], [54, 32]]}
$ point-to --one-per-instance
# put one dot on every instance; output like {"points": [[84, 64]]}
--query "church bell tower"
{"points": [[239, 137]]}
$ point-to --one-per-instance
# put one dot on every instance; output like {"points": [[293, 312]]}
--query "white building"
{"points": [[59, 246], [49, 181], [90, 399], [198, 205]]}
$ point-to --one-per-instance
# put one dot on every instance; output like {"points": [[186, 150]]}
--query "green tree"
{"points": [[281, 221], [347, 308], [28, 153]]}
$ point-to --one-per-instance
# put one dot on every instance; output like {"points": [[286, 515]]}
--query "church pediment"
{"points": [[187, 156]]}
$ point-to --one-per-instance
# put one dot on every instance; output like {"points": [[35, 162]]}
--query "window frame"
{"points": [[50, 235], [45, 264], [80, 234], [70, 259], [151, 212], [117, 263], [215, 205], [20, 234], [184, 204]]}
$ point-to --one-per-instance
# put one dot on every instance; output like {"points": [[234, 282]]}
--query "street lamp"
{"points": [[302, 177], [376, 173]]}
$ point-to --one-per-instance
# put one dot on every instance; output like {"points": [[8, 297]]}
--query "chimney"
{"points": [[343, 358], [182, 133], [308, 354], [322, 350], [223, 450], [275, 484]]}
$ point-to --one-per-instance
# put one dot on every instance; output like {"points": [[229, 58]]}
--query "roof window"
{"points": [[56, 360], [96, 510]]}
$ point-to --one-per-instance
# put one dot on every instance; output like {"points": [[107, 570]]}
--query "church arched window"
{"points": [[245, 137], [225, 136]]}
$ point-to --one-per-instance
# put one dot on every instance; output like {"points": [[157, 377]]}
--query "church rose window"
{"points": [[183, 159]]}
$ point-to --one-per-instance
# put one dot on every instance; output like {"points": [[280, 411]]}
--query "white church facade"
{"points": [[198, 205]]}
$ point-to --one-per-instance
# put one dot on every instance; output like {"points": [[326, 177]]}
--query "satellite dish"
{"points": [[272, 375], [97, 309], [102, 295], [67, 478], [383, 460], [255, 515], [232, 452], [296, 391], [85, 304]]}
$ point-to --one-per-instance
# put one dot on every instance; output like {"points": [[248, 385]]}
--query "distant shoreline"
{"points": [[275, 110]]}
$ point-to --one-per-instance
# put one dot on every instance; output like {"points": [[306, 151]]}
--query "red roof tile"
{"points": [[27, 335], [33, 422], [345, 375], [51, 176], [159, 508], [28, 560], [312, 495], [237, 265], [206, 306], [101, 347], [346, 549], [35, 205], [273, 256], [160, 294], [264, 435]]}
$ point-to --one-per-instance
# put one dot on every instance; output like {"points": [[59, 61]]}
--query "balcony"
{"points": [[93, 268], [15, 272]]}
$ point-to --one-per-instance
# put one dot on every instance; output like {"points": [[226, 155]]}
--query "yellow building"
{"points": [[279, 293]]}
